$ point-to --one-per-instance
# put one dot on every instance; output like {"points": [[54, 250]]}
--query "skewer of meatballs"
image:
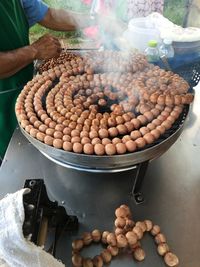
{"points": [[125, 239]]}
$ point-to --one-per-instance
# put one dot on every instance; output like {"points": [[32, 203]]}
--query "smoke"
{"points": [[103, 16], [111, 29]]}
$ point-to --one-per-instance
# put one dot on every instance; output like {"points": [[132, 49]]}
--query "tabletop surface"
{"points": [[171, 189]]}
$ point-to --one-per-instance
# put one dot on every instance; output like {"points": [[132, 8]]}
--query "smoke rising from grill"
{"points": [[110, 30], [120, 63], [110, 27]]}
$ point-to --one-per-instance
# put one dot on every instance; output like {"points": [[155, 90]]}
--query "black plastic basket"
{"points": [[190, 72]]}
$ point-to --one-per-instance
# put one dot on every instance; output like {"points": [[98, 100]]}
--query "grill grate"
{"points": [[177, 124], [195, 77], [190, 72]]}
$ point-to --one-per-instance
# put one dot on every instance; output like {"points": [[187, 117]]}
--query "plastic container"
{"points": [[140, 31], [152, 52], [186, 47], [166, 49]]}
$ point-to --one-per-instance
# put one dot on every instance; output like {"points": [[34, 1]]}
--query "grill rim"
{"points": [[116, 162]]}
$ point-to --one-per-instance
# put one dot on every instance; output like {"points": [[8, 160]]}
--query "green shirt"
{"points": [[14, 32]]}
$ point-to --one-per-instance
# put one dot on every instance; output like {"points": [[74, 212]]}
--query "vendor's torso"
{"points": [[14, 32]]}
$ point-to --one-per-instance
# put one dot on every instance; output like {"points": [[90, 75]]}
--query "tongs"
{"points": [[165, 62]]}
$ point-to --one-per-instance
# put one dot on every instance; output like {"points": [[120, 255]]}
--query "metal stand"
{"points": [[138, 180], [93, 198], [41, 214]]}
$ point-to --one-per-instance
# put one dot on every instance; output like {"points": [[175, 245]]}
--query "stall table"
{"points": [[171, 189]]}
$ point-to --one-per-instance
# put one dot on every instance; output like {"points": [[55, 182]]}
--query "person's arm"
{"points": [[65, 20], [13, 61]]}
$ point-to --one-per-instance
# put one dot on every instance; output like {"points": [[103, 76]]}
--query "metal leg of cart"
{"points": [[138, 180]]}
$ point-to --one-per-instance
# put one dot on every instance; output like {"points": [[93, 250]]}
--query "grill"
{"points": [[190, 72], [114, 163], [136, 162]]}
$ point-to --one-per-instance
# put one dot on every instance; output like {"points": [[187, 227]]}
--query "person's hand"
{"points": [[46, 47]]}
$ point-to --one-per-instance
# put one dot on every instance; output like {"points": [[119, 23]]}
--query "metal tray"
{"points": [[114, 163]]}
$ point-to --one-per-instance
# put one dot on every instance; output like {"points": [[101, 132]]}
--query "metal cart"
{"points": [[171, 188]]}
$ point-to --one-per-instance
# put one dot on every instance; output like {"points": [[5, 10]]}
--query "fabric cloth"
{"points": [[35, 10], [15, 250], [176, 33]]}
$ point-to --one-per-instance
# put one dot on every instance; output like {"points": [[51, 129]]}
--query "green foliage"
{"points": [[175, 10], [37, 31], [76, 5]]}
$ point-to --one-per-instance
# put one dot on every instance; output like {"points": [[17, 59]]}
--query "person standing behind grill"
{"points": [[17, 55]]}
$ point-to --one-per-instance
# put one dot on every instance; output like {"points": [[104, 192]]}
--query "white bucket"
{"points": [[140, 31]]}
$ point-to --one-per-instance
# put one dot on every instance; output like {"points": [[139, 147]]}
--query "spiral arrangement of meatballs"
{"points": [[101, 103]]}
